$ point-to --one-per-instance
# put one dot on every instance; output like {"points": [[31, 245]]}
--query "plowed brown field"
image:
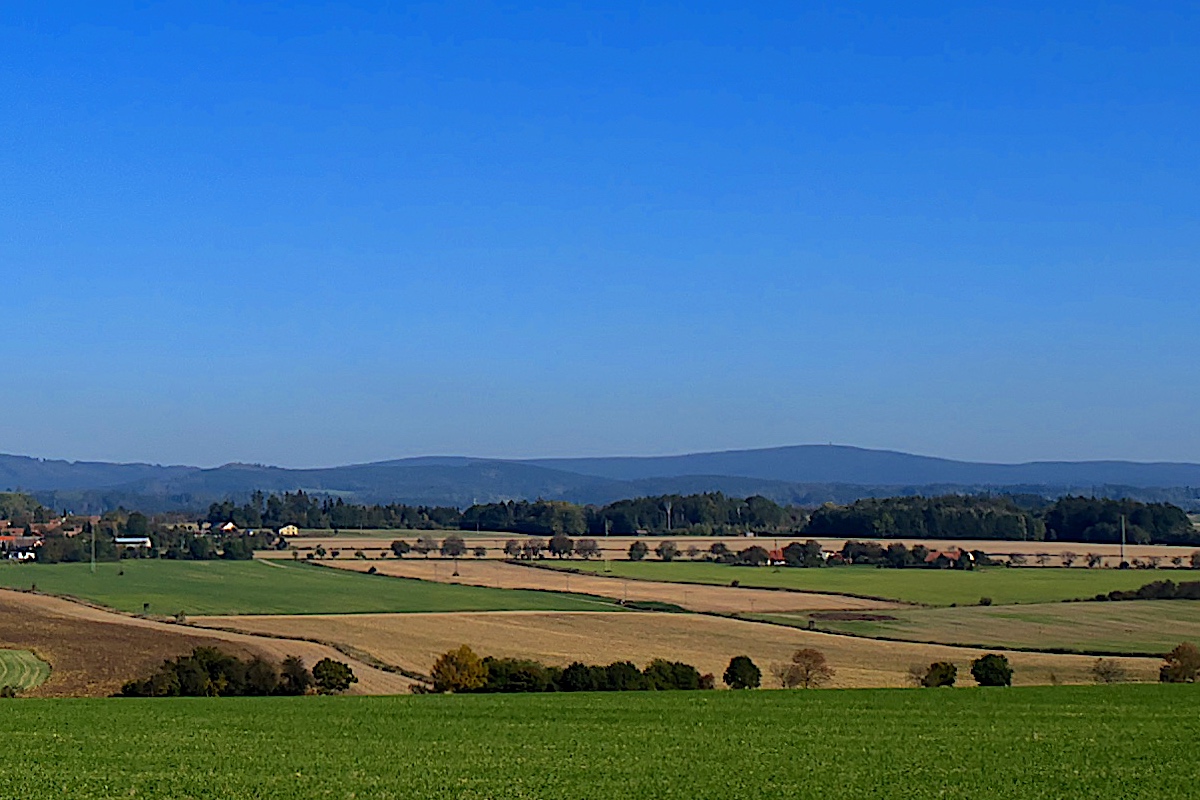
{"points": [[718, 599], [92, 652], [413, 641]]}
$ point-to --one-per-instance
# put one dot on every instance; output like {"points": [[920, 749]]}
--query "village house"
{"points": [[289, 530]]}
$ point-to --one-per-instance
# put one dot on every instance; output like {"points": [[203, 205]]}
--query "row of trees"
{"points": [[209, 672], [709, 513], [461, 670]]}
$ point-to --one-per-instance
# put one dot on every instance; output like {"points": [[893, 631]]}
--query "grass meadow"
{"points": [[1095, 742], [277, 587], [929, 587], [1132, 627], [22, 670]]}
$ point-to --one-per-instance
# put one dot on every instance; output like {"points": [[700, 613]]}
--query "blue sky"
{"points": [[322, 233]]}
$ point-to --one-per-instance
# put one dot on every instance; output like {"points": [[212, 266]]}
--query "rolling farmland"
{"points": [[256, 587], [413, 641], [923, 586], [1142, 626], [1096, 742]]}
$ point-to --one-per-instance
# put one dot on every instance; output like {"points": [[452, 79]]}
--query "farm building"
{"points": [[289, 530], [132, 541]]}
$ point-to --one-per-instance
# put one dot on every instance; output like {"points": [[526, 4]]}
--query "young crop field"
{"points": [[925, 586], [1094, 742], [1144, 626], [22, 670], [255, 587]]}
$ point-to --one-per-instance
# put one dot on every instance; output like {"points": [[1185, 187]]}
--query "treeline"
{"points": [[708, 514], [1157, 590], [1069, 519], [22, 510], [462, 671], [209, 672]]}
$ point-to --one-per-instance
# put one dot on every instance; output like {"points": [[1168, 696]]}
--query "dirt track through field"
{"points": [[716, 599], [92, 651], [413, 641]]}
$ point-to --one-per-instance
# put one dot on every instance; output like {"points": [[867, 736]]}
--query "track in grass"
{"points": [[252, 587], [925, 586], [1142, 626], [1094, 742], [22, 670]]}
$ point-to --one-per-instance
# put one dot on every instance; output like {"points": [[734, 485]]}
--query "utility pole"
{"points": [[93, 549]]}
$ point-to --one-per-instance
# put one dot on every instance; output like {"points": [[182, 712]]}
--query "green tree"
{"points": [[561, 545], [637, 551], [940, 673], [294, 677], [742, 673], [992, 670], [667, 551], [332, 677], [400, 547], [458, 670], [453, 546], [1181, 665]]}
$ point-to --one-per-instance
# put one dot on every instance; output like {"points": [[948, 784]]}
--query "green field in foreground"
{"points": [[1065, 742], [21, 669], [931, 587], [276, 587], [1142, 626]]}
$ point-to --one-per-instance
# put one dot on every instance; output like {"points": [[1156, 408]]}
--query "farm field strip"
{"points": [[1141, 626], [717, 599], [245, 587], [22, 670], [1094, 742], [413, 641], [923, 586]]}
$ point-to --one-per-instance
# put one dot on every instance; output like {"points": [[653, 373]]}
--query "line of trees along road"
{"points": [[1001, 517]]}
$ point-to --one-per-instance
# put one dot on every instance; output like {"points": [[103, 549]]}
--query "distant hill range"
{"points": [[804, 474]]}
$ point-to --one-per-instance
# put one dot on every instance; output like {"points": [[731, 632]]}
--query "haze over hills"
{"points": [[804, 474]]}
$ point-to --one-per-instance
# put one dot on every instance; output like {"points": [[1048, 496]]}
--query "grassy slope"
{"points": [[255, 587], [931, 587], [21, 669], [1095, 742], [1128, 627]]}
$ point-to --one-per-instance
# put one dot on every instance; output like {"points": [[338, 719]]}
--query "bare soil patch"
{"points": [[695, 597], [92, 652], [413, 641]]}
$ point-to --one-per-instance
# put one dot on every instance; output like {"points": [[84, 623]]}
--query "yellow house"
{"points": [[289, 530]]}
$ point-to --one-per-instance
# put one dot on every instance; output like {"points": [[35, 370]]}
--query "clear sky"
{"points": [[320, 233]]}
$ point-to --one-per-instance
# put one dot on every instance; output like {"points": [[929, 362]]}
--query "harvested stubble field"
{"points": [[22, 670], [923, 586], [1065, 742], [1142, 626], [92, 652], [260, 587], [413, 641], [716, 599]]}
